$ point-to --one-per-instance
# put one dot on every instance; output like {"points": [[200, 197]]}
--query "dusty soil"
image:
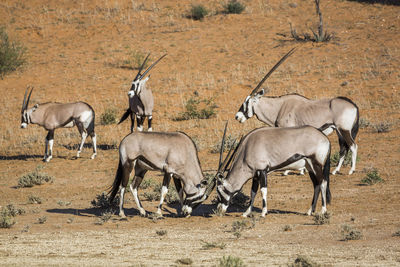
{"points": [[83, 51]]}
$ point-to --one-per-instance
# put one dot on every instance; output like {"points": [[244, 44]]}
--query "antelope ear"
{"points": [[35, 107], [204, 182], [147, 78], [260, 93]]}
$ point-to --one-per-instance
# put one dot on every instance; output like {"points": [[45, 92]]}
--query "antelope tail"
{"points": [[117, 182], [125, 116], [356, 126], [326, 172]]}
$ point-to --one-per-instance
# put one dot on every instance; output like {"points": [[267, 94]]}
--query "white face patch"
{"points": [[240, 117]]}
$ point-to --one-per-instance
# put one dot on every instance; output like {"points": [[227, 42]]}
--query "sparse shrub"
{"points": [[234, 7], [383, 127], [211, 245], [396, 233], [349, 233], [229, 141], [161, 232], [102, 201], [8, 214], [63, 203], [372, 177], [364, 123], [303, 261], [320, 219], [108, 117], [42, 220], [151, 196], [104, 217], [287, 228], [146, 184], [34, 178], [185, 261], [318, 36], [198, 12], [12, 54], [230, 261], [238, 227], [194, 111], [34, 199]]}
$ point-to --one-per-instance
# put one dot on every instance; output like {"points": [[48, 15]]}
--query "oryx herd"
{"points": [[296, 140]]}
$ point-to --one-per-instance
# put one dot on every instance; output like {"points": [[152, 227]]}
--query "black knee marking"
{"points": [[167, 179], [149, 120], [50, 135]]}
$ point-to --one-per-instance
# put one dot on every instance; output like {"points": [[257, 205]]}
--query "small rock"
{"points": [[293, 5], [344, 83]]}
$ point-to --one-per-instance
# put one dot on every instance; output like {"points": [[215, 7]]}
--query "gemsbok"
{"points": [[339, 113], [57, 115], [141, 101], [174, 154], [266, 149]]}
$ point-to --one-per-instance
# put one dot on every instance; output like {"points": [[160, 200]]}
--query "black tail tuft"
{"points": [[125, 116], [356, 126], [117, 182], [326, 173]]}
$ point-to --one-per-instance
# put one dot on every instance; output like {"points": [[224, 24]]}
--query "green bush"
{"points": [[234, 7], [230, 261], [196, 108], [34, 199], [372, 177], [12, 54], [303, 261], [320, 219], [198, 12], [349, 233], [108, 117], [7, 215], [347, 158], [102, 201], [34, 178]]}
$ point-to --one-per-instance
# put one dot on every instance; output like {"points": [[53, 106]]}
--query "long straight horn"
{"points": [[221, 151], [141, 67], [149, 68], [24, 102], [273, 69], [29, 98]]}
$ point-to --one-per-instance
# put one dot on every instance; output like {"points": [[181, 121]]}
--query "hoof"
{"points": [[122, 215], [93, 156], [351, 172], [48, 159]]}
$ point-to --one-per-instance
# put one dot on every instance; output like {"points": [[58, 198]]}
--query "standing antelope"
{"points": [[141, 101], [266, 149], [339, 113], [57, 115], [174, 154]]}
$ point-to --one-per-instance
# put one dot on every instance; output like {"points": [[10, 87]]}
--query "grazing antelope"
{"points": [[266, 149], [141, 101], [174, 154], [339, 113], [57, 115]]}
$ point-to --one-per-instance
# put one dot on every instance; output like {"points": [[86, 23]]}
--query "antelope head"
{"points": [[246, 110], [138, 81], [25, 112]]}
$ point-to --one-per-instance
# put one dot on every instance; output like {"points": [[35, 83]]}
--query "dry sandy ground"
{"points": [[80, 50]]}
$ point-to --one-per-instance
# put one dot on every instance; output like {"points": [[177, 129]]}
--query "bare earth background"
{"points": [[75, 50]]}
